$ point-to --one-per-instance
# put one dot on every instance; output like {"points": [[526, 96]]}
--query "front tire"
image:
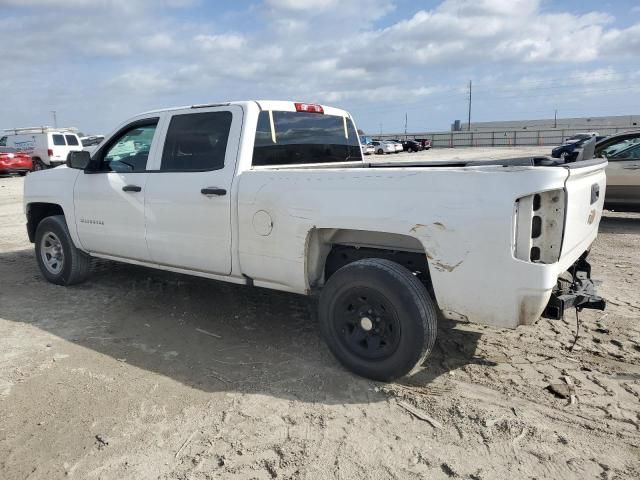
{"points": [[378, 319], [59, 260]]}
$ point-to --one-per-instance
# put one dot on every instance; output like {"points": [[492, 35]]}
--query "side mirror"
{"points": [[79, 160]]}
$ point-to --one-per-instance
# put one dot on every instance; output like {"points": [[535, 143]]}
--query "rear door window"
{"points": [[196, 142], [58, 140], [72, 140], [302, 137]]}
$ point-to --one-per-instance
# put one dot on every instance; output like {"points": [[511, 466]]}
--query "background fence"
{"points": [[503, 138]]}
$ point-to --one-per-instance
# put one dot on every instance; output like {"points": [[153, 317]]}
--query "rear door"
{"points": [[59, 148], [188, 193]]}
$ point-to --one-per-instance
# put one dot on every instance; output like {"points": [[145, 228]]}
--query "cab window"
{"points": [[196, 142], [72, 140], [129, 151]]}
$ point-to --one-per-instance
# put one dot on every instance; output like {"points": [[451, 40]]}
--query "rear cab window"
{"points": [[296, 138], [58, 139]]}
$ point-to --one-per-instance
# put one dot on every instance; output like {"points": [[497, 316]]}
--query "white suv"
{"points": [[47, 146]]}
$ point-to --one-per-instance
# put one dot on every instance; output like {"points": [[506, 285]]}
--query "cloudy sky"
{"points": [[97, 62]]}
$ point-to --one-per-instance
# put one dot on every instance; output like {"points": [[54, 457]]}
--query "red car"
{"points": [[13, 161]]}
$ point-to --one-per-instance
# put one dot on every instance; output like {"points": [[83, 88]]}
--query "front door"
{"points": [[109, 200], [188, 194], [623, 176]]}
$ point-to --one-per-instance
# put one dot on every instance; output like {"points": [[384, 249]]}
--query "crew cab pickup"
{"points": [[276, 194]]}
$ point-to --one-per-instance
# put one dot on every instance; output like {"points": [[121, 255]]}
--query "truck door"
{"points": [[188, 195], [623, 176], [109, 201]]}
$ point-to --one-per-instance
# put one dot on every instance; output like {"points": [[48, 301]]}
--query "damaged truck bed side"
{"points": [[277, 195]]}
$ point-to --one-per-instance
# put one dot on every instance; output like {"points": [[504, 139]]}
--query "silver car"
{"points": [[622, 150]]}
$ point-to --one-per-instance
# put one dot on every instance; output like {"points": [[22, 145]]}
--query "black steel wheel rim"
{"points": [[366, 323]]}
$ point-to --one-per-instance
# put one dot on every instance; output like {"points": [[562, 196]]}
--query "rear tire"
{"points": [[38, 165], [59, 260], [377, 319]]}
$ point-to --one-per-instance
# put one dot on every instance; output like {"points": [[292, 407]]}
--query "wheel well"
{"points": [[416, 263], [328, 250], [36, 212]]}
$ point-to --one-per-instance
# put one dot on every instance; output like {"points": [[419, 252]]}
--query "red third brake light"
{"points": [[308, 107]]}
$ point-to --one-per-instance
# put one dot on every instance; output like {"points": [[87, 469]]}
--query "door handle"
{"points": [[131, 188], [213, 191]]}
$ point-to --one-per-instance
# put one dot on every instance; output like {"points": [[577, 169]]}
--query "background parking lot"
{"points": [[146, 374]]}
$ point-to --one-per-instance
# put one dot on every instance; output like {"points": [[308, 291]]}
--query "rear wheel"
{"points": [[377, 319], [59, 260], [38, 165]]}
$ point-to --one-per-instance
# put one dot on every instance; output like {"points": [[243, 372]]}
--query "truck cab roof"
{"points": [[278, 105]]}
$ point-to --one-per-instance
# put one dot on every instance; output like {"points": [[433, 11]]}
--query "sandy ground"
{"points": [[120, 378]]}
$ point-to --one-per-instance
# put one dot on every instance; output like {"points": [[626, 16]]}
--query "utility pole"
{"points": [[55, 119], [380, 129], [469, 119], [405, 125], [555, 118]]}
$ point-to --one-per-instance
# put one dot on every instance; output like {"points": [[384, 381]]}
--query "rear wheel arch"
{"points": [[328, 250]]}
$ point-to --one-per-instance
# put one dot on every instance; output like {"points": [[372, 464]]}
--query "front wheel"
{"points": [[377, 319], [59, 260]]}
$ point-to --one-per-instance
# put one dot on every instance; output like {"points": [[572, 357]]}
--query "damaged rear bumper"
{"points": [[578, 293]]}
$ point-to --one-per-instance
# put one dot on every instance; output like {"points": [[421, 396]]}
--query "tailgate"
{"points": [[585, 189]]}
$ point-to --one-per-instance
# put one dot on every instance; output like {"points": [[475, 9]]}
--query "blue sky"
{"points": [[97, 62]]}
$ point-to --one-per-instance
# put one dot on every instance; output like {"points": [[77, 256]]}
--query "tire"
{"points": [[377, 319], [22, 174], [52, 243], [380, 151], [38, 165]]}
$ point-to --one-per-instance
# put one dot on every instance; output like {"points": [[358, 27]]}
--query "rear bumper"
{"points": [[580, 294]]}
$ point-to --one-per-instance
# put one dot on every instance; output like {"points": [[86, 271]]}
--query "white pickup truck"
{"points": [[276, 194]]}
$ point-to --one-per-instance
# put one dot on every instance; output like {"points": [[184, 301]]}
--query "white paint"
{"points": [[462, 218]]}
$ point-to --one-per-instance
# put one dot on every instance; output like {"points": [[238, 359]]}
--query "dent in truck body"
{"points": [[460, 218], [467, 233]]}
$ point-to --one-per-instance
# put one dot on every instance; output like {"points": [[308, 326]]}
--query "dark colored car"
{"points": [[568, 149], [411, 146], [425, 142], [13, 161]]}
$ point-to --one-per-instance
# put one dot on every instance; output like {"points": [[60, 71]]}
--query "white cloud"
{"points": [[125, 54], [219, 42]]}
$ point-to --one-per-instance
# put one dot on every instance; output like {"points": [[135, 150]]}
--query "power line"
{"points": [[469, 121]]}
